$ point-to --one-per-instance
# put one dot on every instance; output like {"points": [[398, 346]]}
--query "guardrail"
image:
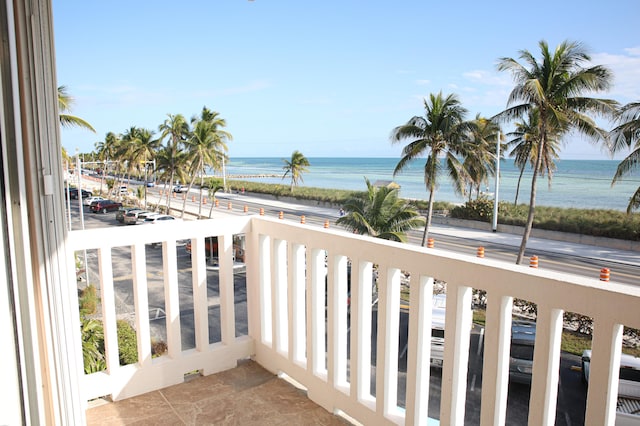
{"points": [[290, 332]]}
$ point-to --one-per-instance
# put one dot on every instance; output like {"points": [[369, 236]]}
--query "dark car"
{"points": [[73, 193], [105, 206]]}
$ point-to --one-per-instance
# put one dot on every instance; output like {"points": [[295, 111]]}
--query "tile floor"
{"points": [[246, 395]]}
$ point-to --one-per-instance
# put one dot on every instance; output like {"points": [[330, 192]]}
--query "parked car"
{"points": [[131, 217], [73, 193], [89, 200], [142, 216], [438, 310], [628, 404], [159, 218], [180, 189], [523, 336], [105, 206], [122, 211], [211, 249], [151, 184]]}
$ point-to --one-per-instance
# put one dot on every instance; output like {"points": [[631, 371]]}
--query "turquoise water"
{"points": [[576, 183]]}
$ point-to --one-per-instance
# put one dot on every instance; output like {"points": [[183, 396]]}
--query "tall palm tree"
{"points": [[480, 153], [440, 133], [142, 152], [204, 148], [524, 149], [556, 86], [106, 151], [172, 161], [627, 134], [380, 213], [218, 150], [295, 167], [65, 102]]}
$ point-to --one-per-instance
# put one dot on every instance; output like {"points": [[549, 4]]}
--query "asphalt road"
{"points": [[575, 264]]}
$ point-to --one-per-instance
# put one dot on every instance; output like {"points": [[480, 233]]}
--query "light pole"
{"points": [[495, 198]]}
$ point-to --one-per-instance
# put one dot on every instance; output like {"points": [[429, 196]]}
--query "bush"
{"points": [[127, 343], [88, 301], [480, 209], [598, 223]]}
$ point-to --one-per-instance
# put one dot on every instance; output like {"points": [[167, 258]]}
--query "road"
{"points": [[575, 263]]}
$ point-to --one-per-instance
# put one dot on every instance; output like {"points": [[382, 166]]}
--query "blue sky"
{"points": [[329, 78]]}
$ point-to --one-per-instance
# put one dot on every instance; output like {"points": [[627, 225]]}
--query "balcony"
{"points": [[313, 304]]}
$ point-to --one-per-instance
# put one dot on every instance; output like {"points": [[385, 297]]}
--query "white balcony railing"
{"points": [[291, 332]]}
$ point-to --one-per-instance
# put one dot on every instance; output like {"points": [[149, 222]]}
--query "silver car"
{"points": [[131, 217], [523, 337]]}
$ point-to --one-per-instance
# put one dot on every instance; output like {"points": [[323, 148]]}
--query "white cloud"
{"points": [[626, 73], [633, 51], [489, 78], [423, 82]]}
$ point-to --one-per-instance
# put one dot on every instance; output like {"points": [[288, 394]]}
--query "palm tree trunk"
{"points": [[428, 223], [200, 197], [169, 192], [515, 202], [193, 179], [532, 203], [213, 201]]}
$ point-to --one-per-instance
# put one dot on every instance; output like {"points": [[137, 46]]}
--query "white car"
{"points": [[87, 201], [438, 311], [628, 405], [159, 218]]}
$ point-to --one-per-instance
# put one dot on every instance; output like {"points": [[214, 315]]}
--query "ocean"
{"points": [[583, 184]]}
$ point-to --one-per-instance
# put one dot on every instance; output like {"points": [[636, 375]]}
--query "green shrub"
{"points": [[127, 343], [480, 209], [92, 345]]}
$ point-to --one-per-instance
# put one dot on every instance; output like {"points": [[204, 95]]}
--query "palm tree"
{"points": [[106, 151], [295, 167], [176, 129], [65, 102], [556, 86], [380, 213], [171, 164], [480, 153], [207, 145], [441, 133], [627, 134], [143, 150], [204, 149], [524, 149], [214, 185]]}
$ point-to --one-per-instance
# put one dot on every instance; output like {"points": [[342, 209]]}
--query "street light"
{"points": [[495, 198]]}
